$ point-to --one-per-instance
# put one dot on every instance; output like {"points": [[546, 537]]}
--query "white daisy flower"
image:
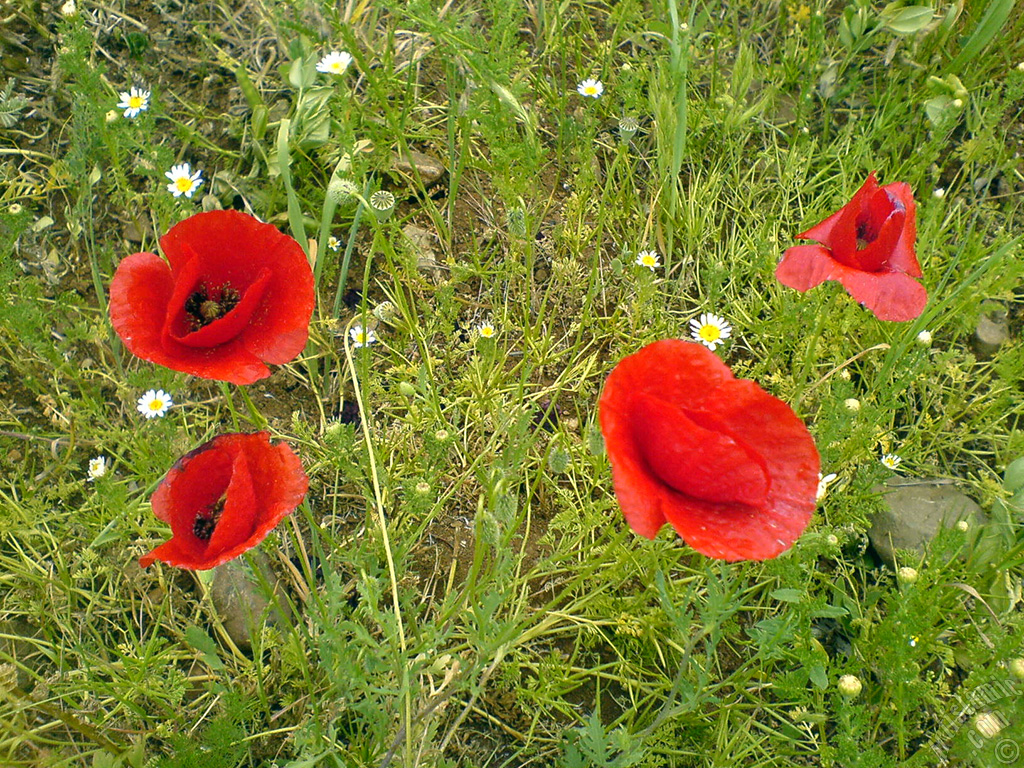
{"points": [[333, 243], [362, 337], [924, 338], [823, 483], [183, 181], [334, 63], [154, 403], [133, 102], [891, 460], [649, 259], [591, 88], [487, 330], [710, 330], [97, 467], [938, 193]]}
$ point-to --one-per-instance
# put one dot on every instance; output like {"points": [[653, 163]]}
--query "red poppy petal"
{"points": [[239, 516], [750, 425], [805, 266], [903, 258], [223, 329], [875, 256], [139, 293], [236, 246], [839, 231], [891, 296], [698, 462], [260, 483]]}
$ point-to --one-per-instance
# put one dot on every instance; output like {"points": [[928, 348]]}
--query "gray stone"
{"points": [[914, 512], [429, 169], [240, 600], [993, 330]]}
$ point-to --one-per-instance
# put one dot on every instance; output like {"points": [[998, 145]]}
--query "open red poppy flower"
{"points": [[233, 295], [732, 468], [868, 246], [224, 497]]}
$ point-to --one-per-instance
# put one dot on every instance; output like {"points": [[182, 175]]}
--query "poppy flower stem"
{"points": [[254, 415], [226, 391]]}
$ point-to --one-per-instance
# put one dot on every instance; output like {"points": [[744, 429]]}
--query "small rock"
{"points": [[429, 169], [914, 512], [992, 332], [239, 599], [422, 242], [138, 231]]}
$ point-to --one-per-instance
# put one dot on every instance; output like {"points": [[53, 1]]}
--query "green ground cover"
{"points": [[459, 587]]}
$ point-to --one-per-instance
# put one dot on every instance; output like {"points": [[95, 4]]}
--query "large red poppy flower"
{"points": [[224, 497], [233, 295], [868, 246], [731, 468]]}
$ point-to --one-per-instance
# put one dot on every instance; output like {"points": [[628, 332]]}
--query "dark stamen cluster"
{"points": [[206, 305], [206, 521]]}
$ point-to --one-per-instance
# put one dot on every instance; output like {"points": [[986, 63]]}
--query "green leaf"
{"points": [[907, 20], [205, 644], [819, 677], [788, 595], [1013, 477], [995, 17]]}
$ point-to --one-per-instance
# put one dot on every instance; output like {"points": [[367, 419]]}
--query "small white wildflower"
{"points": [[97, 467], [938, 193], [850, 686], [823, 483], [333, 243], [891, 460], [111, 116], [591, 88], [487, 330], [710, 330], [133, 102], [957, 103], [988, 724], [832, 539], [649, 259], [183, 181], [963, 526], [852, 404], [1020, 66], [924, 338], [362, 337], [907, 575], [154, 403], [334, 63], [68, 9]]}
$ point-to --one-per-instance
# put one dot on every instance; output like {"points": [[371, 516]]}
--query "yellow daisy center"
{"points": [[135, 102], [590, 90], [487, 331], [183, 183], [710, 332], [156, 405], [648, 260]]}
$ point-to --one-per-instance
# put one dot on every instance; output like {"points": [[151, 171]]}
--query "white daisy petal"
{"points": [[710, 330], [334, 63], [362, 337], [154, 403], [590, 88], [97, 468], [183, 181]]}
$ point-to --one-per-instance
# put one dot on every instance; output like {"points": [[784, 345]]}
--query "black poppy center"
{"points": [[206, 520], [206, 304], [866, 234]]}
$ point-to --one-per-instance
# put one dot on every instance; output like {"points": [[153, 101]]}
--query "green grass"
{"points": [[459, 588]]}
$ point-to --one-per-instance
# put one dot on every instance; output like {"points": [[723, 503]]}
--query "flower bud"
{"points": [[907, 575], [850, 686], [938, 193], [924, 338], [341, 189], [1017, 668], [988, 724], [407, 389], [962, 526], [852, 404], [68, 9]]}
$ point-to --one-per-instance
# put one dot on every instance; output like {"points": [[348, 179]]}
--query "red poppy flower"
{"points": [[233, 295], [224, 498], [731, 468], [868, 246]]}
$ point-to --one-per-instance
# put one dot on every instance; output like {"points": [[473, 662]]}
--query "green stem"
{"points": [[254, 415], [811, 355], [226, 391]]}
